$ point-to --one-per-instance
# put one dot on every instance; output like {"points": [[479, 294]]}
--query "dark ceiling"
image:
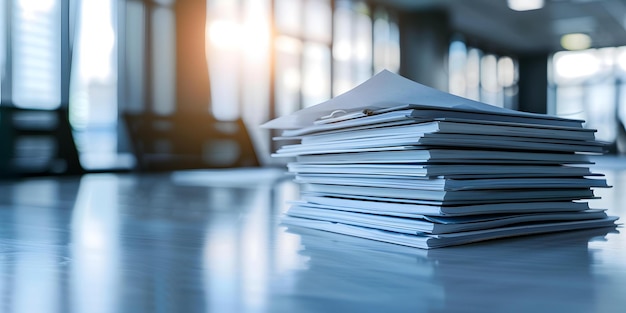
{"points": [[491, 24]]}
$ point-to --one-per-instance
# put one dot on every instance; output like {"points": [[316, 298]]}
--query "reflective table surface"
{"points": [[210, 241]]}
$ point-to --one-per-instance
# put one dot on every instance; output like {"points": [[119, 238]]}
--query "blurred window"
{"points": [[36, 55], [93, 89], [3, 45], [315, 51], [266, 58], [590, 85], [481, 76]]}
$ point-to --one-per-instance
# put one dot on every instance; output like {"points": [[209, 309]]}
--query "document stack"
{"points": [[395, 161]]}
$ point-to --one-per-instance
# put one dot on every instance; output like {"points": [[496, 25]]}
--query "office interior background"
{"points": [[99, 85]]}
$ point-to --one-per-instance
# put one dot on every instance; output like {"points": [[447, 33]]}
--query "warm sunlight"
{"points": [[250, 37], [225, 34]]}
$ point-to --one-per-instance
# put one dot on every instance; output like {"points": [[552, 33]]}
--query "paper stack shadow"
{"points": [[395, 161]]}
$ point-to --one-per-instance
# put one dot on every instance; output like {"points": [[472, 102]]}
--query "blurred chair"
{"points": [[36, 142], [188, 141]]}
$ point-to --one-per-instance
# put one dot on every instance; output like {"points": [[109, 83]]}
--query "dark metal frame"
{"points": [[66, 149]]}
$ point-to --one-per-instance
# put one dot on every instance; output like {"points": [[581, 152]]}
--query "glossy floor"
{"points": [[210, 242]]}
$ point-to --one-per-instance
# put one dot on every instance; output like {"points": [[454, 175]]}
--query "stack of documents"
{"points": [[395, 161]]}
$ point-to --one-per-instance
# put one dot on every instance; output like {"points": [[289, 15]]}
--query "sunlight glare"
{"points": [[342, 50], [36, 5], [254, 38], [225, 34], [96, 47], [576, 65], [251, 37]]}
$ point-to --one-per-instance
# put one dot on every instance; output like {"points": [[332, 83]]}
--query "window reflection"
{"points": [[94, 274], [35, 274]]}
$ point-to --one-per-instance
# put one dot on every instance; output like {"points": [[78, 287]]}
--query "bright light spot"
{"points": [[225, 34], [576, 41], [506, 71], [489, 79], [576, 65], [37, 5], [343, 85], [251, 38], [97, 44], [255, 37], [342, 51], [525, 5], [473, 68], [291, 79], [288, 45], [362, 52]]}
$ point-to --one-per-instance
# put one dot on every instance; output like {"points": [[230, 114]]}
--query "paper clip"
{"points": [[333, 114]]}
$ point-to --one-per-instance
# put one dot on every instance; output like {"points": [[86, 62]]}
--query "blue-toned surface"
{"points": [[210, 242]]}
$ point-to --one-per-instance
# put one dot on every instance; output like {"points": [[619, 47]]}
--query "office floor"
{"points": [[210, 242]]}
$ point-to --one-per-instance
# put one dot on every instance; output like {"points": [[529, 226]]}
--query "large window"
{"points": [[36, 54], [266, 58], [93, 91], [239, 35], [591, 85]]}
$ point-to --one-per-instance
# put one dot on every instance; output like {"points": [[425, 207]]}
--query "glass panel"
{"points": [[489, 80], [622, 103], [507, 79], [506, 72], [254, 85], [3, 20], [316, 74], [224, 57], [352, 47], [317, 20], [586, 88], [580, 66], [569, 101], [93, 92], [386, 43], [457, 67], [620, 61], [472, 78], [164, 61], [600, 111], [288, 16], [362, 44], [342, 49], [288, 75], [134, 60], [37, 53], [393, 51]]}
